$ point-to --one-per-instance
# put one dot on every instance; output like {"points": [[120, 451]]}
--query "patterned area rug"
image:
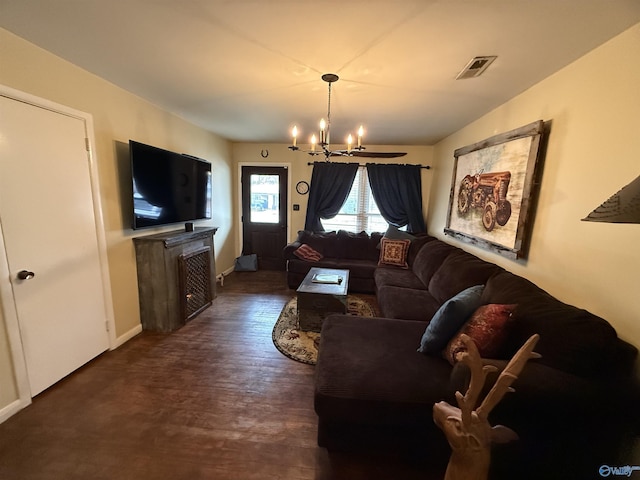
{"points": [[303, 346]]}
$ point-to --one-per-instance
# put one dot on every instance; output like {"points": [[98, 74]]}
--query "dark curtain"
{"points": [[330, 186], [397, 190]]}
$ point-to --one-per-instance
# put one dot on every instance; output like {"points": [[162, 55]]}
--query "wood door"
{"points": [[49, 229], [264, 214]]}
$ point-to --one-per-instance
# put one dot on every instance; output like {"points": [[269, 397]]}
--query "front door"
{"points": [[50, 239], [264, 214]]}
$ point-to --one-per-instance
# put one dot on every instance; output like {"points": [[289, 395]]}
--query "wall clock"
{"points": [[302, 187]]}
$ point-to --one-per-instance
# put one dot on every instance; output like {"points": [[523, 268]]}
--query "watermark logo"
{"points": [[624, 471]]}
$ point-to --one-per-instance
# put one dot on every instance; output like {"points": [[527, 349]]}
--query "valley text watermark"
{"points": [[624, 471]]}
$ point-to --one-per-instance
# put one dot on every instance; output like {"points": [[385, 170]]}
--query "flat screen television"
{"points": [[168, 187]]}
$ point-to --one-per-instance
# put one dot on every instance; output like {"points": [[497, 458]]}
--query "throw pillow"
{"points": [[394, 252], [449, 318], [486, 327], [305, 252], [394, 233]]}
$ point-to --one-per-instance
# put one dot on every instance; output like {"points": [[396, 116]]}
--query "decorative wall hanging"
{"points": [[492, 190]]}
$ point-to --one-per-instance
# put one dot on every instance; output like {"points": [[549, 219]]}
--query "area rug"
{"points": [[303, 346]]}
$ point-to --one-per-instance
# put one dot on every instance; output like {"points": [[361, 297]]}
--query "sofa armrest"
{"points": [[287, 253]]}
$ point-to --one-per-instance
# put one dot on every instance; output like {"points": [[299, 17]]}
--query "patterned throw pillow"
{"points": [[486, 327], [305, 252], [394, 252]]}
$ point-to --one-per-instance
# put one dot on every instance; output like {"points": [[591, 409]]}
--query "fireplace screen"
{"points": [[195, 282]]}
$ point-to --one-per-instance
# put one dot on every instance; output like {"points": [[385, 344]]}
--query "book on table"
{"points": [[328, 278]]}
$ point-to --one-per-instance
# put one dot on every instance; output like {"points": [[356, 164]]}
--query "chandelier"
{"points": [[320, 145]]}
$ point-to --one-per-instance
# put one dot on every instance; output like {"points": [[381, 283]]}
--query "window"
{"points": [[265, 198], [360, 212]]}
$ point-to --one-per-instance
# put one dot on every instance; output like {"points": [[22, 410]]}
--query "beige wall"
{"points": [[278, 154], [594, 150], [118, 116]]}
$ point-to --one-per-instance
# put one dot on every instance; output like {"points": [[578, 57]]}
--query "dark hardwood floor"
{"points": [[213, 400]]}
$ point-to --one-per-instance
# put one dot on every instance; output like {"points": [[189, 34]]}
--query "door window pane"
{"points": [[265, 198]]}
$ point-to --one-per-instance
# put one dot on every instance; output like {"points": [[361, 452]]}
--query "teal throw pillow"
{"points": [[395, 233], [450, 318]]}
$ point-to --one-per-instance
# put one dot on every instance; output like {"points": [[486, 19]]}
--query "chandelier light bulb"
{"points": [[360, 134], [349, 142], [294, 133], [323, 138], [313, 143]]}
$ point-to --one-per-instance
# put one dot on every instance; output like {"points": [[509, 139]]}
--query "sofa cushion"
{"points": [[357, 268], [416, 245], [487, 327], [368, 371], [324, 242], [397, 277], [358, 246], [458, 272], [407, 304], [449, 318], [430, 258], [394, 252], [305, 252], [571, 339], [302, 266]]}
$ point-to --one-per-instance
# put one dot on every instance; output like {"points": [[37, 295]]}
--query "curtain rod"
{"points": [[360, 165]]}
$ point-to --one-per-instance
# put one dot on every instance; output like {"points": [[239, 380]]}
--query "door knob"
{"points": [[25, 275]]}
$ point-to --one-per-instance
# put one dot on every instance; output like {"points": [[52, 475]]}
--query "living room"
{"points": [[592, 153]]}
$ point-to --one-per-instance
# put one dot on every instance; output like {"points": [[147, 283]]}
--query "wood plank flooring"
{"points": [[213, 400]]}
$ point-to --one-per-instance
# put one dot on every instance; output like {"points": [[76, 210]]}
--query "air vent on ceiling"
{"points": [[475, 67]]}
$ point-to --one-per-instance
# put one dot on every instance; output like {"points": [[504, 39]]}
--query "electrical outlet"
{"points": [[296, 207]]}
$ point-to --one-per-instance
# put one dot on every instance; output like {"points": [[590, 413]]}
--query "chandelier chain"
{"points": [[329, 116]]}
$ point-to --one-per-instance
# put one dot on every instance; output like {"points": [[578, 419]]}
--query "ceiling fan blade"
{"points": [[378, 154]]}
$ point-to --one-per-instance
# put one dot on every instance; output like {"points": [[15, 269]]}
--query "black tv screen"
{"points": [[168, 187]]}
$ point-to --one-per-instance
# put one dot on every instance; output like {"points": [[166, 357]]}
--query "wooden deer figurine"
{"points": [[467, 428]]}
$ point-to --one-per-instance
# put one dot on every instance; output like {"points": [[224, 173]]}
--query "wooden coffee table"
{"points": [[317, 300]]}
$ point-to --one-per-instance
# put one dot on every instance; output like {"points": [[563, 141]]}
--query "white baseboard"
{"points": [[227, 271], [122, 339], [220, 276], [13, 408]]}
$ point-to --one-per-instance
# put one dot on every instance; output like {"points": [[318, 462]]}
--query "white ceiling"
{"points": [[249, 69]]}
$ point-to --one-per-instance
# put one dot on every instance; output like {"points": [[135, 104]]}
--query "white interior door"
{"points": [[49, 228]]}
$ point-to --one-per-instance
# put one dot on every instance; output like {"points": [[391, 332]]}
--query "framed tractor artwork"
{"points": [[493, 189]]}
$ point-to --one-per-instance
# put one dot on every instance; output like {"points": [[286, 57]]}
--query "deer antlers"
{"points": [[472, 359], [508, 376], [479, 374]]}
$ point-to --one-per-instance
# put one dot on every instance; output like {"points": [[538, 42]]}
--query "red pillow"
{"points": [[486, 327], [305, 252]]}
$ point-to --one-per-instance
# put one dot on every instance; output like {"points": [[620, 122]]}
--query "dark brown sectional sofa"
{"points": [[374, 390], [356, 252]]}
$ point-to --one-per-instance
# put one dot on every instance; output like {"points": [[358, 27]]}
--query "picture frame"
{"points": [[492, 190]]}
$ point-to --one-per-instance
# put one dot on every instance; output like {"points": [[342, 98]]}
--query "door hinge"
{"points": [[87, 145], [106, 325]]}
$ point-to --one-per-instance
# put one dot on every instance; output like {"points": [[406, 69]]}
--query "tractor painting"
{"points": [[486, 192]]}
